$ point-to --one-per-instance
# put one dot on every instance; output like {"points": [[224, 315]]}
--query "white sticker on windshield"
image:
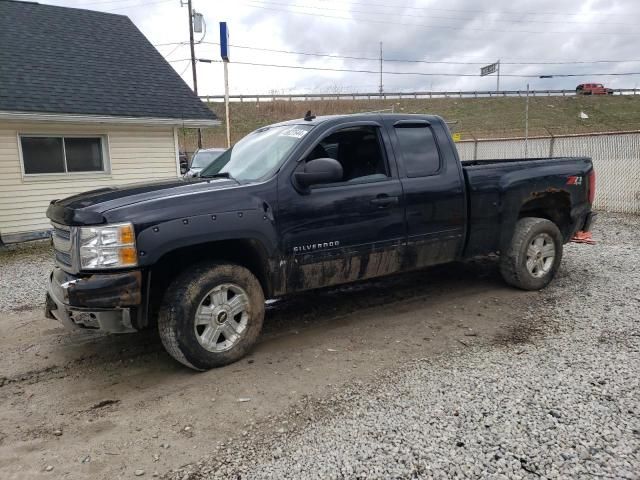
{"points": [[294, 132]]}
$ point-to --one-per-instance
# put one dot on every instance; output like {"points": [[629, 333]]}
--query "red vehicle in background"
{"points": [[593, 89]]}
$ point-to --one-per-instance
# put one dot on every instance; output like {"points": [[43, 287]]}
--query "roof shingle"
{"points": [[69, 60]]}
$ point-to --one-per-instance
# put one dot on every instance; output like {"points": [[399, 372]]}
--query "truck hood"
{"points": [[88, 208]]}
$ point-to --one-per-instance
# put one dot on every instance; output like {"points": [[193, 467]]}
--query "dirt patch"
{"points": [[104, 403], [23, 308], [619, 337], [152, 414], [518, 334]]}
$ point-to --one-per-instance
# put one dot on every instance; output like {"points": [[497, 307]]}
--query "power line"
{"points": [[519, 13], [397, 60], [185, 68], [431, 16], [181, 44], [104, 2], [426, 74], [255, 4], [170, 43], [143, 4], [356, 57]]}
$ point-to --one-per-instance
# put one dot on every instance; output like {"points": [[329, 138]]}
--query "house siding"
{"points": [[135, 154]]}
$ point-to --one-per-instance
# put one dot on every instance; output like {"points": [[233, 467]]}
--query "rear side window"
{"points": [[419, 150]]}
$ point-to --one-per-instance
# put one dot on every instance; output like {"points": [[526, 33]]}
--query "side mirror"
{"points": [[320, 170], [183, 169]]}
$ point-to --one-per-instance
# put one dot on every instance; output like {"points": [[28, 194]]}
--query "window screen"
{"points": [[83, 154], [42, 155], [419, 151], [61, 154]]}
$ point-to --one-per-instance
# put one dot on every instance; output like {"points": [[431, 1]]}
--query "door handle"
{"points": [[383, 201]]}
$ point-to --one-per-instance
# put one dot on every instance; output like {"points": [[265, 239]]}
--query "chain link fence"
{"points": [[616, 159]]}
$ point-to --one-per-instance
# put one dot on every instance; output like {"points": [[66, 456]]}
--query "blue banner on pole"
{"points": [[224, 41]]}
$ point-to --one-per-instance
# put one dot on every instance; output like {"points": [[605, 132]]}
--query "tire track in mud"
{"points": [[283, 316], [81, 364]]}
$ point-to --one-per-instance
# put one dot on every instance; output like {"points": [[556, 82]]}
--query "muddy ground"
{"points": [[75, 405]]}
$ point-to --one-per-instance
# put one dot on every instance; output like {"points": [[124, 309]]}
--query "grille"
{"points": [[62, 245], [63, 258]]}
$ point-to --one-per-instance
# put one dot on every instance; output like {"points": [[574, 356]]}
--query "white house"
{"points": [[86, 102]]}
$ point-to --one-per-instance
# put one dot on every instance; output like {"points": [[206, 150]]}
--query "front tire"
{"points": [[211, 315], [533, 257]]}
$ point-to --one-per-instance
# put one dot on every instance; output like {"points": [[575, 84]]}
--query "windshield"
{"points": [[204, 158], [258, 155]]}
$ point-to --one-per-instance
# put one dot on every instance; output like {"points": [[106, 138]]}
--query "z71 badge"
{"points": [[574, 180]]}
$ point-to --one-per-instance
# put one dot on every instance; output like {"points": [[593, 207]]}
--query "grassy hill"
{"points": [[475, 117]]}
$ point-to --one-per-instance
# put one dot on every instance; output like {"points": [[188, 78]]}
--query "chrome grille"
{"points": [[63, 258], [62, 245]]}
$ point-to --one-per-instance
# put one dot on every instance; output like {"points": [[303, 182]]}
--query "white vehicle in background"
{"points": [[202, 159]]}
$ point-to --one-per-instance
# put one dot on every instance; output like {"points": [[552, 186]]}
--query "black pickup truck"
{"points": [[300, 205]]}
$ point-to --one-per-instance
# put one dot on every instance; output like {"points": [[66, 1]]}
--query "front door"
{"points": [[349, 230]]}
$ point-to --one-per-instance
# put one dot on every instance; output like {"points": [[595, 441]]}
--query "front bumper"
{"points": [[105, 302]]}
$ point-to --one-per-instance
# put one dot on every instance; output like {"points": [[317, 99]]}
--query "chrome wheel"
{"points": [[222, 318], [541, 254]]}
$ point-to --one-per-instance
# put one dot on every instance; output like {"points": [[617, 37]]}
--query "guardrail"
{"points": [[403, 95]]}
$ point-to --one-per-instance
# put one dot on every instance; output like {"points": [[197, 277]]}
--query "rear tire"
{"points": [[533, 257], [211, 315]]}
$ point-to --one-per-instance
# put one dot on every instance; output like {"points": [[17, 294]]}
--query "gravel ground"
{"points": [[558, 397], [23, 275]]}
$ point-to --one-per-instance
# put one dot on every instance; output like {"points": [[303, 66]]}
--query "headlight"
{"points": [[109, 246]]}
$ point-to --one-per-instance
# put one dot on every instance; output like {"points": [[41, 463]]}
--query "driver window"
{"points": [[358, 149]]}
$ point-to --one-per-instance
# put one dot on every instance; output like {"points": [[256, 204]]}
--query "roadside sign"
{"points": [[488, 70], [224, 41], [456, 137]]}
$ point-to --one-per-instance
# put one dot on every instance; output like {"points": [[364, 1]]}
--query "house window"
{"points": [[50, 154]]}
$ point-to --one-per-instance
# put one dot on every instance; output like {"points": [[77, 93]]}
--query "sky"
{"points": [[522, 34]]}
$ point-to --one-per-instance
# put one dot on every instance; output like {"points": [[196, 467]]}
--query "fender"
{"points": [[521, 186], [164, 237]]}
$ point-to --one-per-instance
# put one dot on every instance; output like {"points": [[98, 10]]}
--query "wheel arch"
{"points": [[554, 206], [246, 252]]}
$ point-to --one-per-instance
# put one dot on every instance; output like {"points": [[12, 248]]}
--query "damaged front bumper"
{"points": [[105, 302]]}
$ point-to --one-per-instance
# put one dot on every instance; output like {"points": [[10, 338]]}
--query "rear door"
{"points": [[433, 186], [349, 230]]}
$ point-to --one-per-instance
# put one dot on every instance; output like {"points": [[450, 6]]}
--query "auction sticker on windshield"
{"points": [[294, 132]]}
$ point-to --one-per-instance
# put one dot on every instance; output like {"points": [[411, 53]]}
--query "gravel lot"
{"points": [[438, 374], [23, 275], [556, 397]]}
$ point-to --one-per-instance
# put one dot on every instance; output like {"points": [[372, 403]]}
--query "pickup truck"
{"points": [[300, 205]]}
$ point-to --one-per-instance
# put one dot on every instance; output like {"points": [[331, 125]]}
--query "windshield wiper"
{"points": [[219, 175]]}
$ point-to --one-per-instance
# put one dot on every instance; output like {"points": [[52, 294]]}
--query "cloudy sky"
{"points": [[461, 33]]}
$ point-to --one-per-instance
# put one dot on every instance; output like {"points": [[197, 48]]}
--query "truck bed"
{"points": [[497, 188]]}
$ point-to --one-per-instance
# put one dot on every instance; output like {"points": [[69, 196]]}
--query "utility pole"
{"points": [[226, 102], [224, 54], [498, 78], [193, 61], [381, 87]]}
